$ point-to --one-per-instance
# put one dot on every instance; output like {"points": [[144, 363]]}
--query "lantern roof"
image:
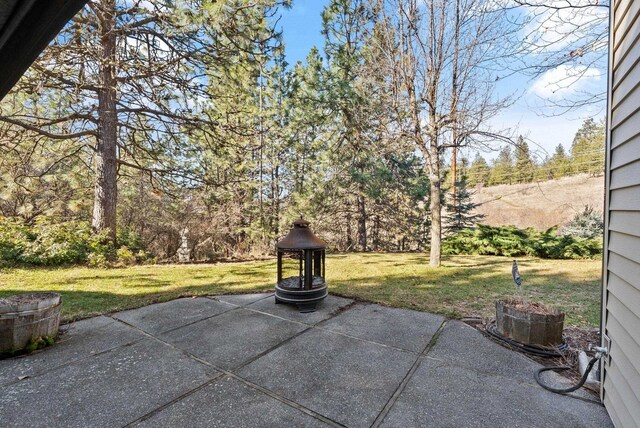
{"points": [[300, 237]]}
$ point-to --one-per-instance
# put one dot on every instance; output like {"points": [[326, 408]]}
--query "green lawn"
{"points": [[463, 286]]}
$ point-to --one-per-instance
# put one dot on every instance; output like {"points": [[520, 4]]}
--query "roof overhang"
{"points": [[26, 28]]}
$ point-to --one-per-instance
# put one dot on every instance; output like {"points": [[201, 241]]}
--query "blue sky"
{"points": [[301, 26]]}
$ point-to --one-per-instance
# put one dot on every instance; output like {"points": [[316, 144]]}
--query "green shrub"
{"points": [[51, 243], [57, 244], [130, 239], [14, 238], [511, 242], [125, 256], [97, 260]]}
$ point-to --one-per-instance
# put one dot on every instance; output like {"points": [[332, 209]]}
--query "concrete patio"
{"points": [[242, 361]]}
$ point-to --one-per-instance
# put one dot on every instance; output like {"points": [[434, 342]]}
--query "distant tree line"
{"points": [[516, 164]]}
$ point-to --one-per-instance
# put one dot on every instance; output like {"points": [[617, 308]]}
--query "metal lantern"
{"points": [[304, 253]]}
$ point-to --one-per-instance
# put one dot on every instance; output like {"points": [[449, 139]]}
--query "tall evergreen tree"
{"points": [[542, 171], [559, 164], [479, 171], [304, 176], [587, 148], [127, 83], [216, 132], [345, 27], [524, 168], [502, 171]]}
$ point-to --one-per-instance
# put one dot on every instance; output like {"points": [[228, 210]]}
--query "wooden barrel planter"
{"points": [[530, 324], [25, 318]]}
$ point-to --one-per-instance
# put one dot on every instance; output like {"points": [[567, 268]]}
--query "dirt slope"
{"points": [[540, 205]]}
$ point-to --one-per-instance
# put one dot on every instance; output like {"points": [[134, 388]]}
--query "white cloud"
{"points": [[564, 79], [554, 26]]}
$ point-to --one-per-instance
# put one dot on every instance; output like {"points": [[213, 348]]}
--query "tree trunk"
{"points": [[349, 242], [105, 196], [275, 211], [454, 105], [376, 233], [362, 223], [436, 207]]}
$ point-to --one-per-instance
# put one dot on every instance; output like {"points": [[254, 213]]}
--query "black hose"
{"points": [[537, 373], [540, 351]]}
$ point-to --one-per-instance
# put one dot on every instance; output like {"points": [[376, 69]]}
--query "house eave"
{"points": [[26, 28]]}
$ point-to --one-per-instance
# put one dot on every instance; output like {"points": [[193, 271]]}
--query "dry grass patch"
{"points": [[541, 204]]}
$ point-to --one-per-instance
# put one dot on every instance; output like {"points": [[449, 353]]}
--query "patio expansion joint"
{"points": [[175, 328], [318, 326], [224, 372], [403, 384], [276, 316], [174, 401], [214, 297], [286, 401], [273, 348], [373, 342]]}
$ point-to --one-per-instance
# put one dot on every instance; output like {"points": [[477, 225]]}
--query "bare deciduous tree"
{"points": [[439, 54]]}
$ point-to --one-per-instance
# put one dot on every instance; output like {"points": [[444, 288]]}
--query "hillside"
{"points": [[542, 204]]}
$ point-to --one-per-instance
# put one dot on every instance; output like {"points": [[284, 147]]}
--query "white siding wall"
{"points": [[621, 315]]}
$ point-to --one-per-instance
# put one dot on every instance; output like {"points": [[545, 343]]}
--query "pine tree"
{"points": [[559, 165], [587, 149], [524, 169], [129, 86], [542, 171], [479, 172], [344, 25], [502, 171], [461, 215]]}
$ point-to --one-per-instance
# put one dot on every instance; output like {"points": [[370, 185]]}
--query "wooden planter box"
{"points": [[27, 317], [525, 325]]}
